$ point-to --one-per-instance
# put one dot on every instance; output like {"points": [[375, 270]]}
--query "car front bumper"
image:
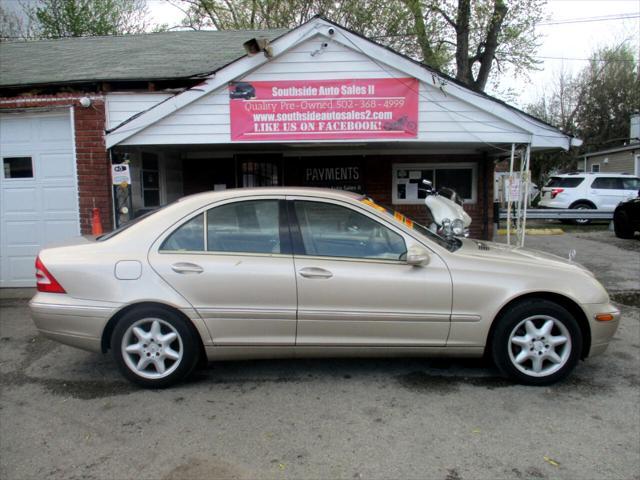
{"points": [[71, 321], [601, 332]]}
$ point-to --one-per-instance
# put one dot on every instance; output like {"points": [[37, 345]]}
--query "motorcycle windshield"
{"points": [[451, 245]]}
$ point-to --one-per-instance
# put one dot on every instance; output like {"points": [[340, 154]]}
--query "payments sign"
{"points": [[380, 108]]}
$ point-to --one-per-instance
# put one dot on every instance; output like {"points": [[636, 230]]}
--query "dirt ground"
{"points": [[67, 414]]}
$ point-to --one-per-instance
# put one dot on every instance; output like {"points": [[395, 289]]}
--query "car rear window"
{"points": [[564, 182]]}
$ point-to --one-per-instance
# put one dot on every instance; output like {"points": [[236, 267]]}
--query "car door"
{"points": [[606, 192], [354, 285], [233, 263]]}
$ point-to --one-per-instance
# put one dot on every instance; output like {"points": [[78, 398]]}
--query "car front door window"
{"points": [[330, 230]]}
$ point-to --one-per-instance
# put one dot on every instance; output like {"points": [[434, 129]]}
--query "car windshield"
{"points": [[450, 244], [564, 182]]}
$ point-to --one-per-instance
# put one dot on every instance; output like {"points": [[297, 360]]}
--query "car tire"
{"points": [[582, 206], [622, 225], [154, 347], [536, 342]]}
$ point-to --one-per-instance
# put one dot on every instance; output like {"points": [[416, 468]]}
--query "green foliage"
{"points": [[77, 18], [469, 39], [611, 87]]}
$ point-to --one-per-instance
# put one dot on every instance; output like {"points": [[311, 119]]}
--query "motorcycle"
{"points": [[445, 205]]}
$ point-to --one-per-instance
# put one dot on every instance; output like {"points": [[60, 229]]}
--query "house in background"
{"points": [[624, 159], [191, 111]]}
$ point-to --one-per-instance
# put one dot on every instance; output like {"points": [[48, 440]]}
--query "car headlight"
{"points": [[457, 227], [446, 226]]}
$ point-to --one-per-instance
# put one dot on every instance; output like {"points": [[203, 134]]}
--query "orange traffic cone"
{"points": [[96, 222]]}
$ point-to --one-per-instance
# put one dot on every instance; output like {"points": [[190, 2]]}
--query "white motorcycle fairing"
{"points": [[442, 208]]}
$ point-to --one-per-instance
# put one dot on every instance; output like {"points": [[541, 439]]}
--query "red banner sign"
{"points": [[324, 109]]}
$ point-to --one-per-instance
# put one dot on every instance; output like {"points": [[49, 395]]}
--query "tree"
{"points": [[469, 39], [609, 94], [13, 26], [77, 18], [595, 105]]}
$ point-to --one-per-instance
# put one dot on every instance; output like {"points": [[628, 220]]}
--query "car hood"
{"points": [[507, 253]]}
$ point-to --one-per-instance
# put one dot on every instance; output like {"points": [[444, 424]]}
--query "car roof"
{"points": [[593, 174], [255, 191]]}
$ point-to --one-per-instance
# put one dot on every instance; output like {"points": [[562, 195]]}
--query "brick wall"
{"points": [[92, 161], [94, 166]]}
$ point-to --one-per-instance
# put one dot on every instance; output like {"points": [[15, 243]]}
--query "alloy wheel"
{"points": [[152, 348], [539, 345]]}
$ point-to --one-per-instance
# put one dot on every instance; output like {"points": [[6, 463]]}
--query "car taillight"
{"points": [[556, 191], [45, 281]]}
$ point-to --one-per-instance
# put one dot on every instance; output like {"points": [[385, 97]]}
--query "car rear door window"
{"points": [[607, 183], [329, 230], [249, 226]]}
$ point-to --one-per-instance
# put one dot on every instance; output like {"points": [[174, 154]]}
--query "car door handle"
{"points": [[314, 272], [184, 267]]}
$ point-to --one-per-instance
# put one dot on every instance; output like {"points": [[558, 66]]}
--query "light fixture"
{"points": [[257, 45]]}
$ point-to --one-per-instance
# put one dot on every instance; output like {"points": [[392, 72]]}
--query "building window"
{"points": [[17, 167], [150, 180], [461, 177], [595, 168], [259, 174]]}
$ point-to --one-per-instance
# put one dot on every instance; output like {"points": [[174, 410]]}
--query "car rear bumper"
{"points": [[601, 332], [549, 203], [71, 321]]}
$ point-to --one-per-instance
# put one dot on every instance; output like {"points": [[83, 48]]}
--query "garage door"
{"points": [[38, 190]]}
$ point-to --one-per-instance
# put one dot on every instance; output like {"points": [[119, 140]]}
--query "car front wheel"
{"points": [[536, 342], [154, 347]]}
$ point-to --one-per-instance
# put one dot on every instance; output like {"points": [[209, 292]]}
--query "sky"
{"points": [[570, 41]]}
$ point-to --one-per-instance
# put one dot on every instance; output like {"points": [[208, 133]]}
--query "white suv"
{"points": [[601, 191]]}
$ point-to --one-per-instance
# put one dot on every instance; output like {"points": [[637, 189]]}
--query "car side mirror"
{"points": [[417, 256]]}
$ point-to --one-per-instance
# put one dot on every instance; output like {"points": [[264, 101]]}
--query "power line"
{"points": [[588, 59], [603, 18]]}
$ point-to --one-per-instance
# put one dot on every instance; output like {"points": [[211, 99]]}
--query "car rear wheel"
{"points": [[536, 342], [622, 225], [154, 347], [582, 206]]}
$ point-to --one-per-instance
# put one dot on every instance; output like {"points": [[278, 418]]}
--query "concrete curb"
{"points": [[14, 295]]}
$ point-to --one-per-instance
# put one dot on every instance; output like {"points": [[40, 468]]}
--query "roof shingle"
{"points": [[153, 56]]}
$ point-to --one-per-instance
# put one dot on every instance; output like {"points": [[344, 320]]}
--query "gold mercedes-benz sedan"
{"points": [[298, 272]]}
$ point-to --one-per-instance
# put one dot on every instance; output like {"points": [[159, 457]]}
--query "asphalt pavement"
{"points": [[68, 414]]}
